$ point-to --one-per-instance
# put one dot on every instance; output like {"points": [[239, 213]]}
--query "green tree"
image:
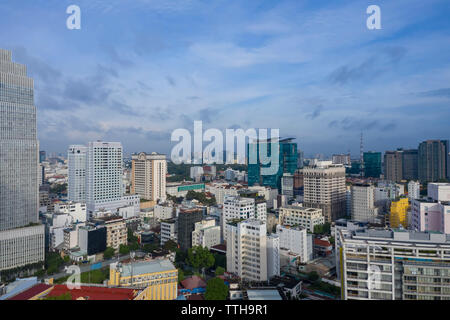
{"points": [[220, 271], [170, 245], [109, 253], [150, 247], [134, 246], [220, 260], [181, 275], [313, 276], [216, 289], [322, 228], [199, 257], [123, 249]]}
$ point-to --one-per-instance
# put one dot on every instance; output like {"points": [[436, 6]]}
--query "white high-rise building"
{"points": [[248, 248], [413, 190], [104, 188], [236, 207], [273, 255], [148, 176], [206, 233], [76, 157], [294, 240], [21, 235], [363, 207]]}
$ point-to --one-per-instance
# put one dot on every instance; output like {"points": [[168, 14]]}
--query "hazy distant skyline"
{"points": [[139, 69]]}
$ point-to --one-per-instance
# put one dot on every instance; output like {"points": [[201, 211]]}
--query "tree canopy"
{"points": [[216, 289], [199, 257]]}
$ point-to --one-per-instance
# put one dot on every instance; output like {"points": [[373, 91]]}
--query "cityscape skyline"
{"points": [[185, 61]]}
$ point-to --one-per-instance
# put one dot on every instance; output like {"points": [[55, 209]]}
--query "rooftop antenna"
{"points": [[361, 156]]}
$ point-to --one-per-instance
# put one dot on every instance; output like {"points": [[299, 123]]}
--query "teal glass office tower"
{"points": [[372, 164], [286, 161]]}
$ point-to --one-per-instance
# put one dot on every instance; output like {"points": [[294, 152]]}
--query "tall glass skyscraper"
{"points": [[372, 164], [21, 237], [286, 162], [433, 158]]}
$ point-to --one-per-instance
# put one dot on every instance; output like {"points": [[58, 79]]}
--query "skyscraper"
{"points": [[324, 188], [393, 165], [363, 203], [104, 188], [76, 157], [372, 164], [286, 162], [21, 237], [410, 164], [433, 157], [148, 176]]}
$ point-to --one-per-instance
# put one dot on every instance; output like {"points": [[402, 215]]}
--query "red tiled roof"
{"points": [[322, 243], [193, 282], [31, 292], [94, 293]]}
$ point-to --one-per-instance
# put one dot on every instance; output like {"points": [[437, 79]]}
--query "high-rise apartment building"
{"points": [[285, 163], [410, 164], [248, 250], [433, 158], [294, 240], [413, 190], [187, 218], [393, 265], [372, 164], [237, 207], [363, 203], [148, 176], [76, 157], [324, 188], [104, 188], [393, 165], [21, 236]]}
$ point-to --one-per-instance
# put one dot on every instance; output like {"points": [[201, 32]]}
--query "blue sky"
{"points": [[138, 69]]}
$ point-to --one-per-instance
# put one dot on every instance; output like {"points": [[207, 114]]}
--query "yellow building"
{"points": [[399, 213], [157, 278]]}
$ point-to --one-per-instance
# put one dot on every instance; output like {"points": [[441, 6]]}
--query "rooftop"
{"points": [[94, 293], [144, 267]]}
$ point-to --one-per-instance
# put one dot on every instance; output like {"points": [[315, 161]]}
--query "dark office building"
{"points": [[410, 164], [433, 158], [42, 156], [286, 162], [393, 165], [92, 239], [372, 164], [186, 222]]}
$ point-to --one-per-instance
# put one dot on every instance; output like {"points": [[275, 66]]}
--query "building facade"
{"points": [[158, 277], [76, 187], [394, 265], [148, 176], [306, 218], [21, 243], [363, 203], [432, 160], [324, 188]]}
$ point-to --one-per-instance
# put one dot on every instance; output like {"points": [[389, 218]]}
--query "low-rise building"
{"points": [[300, 216], [158, 277]]}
